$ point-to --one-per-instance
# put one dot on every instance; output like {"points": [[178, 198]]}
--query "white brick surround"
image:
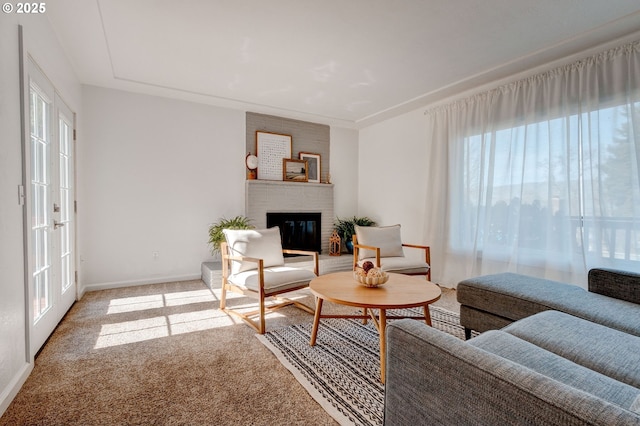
{"points": [[263, 196]]}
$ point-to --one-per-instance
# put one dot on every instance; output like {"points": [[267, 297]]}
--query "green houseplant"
{"points": [[347, 227], [216, 236]]}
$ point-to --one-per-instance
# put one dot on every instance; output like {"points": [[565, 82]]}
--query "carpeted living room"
{"points": [[165, 354], [438, 201]]}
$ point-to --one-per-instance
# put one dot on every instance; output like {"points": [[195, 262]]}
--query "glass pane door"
{"points": [[40, 200], [50, 203], [63, 211]]}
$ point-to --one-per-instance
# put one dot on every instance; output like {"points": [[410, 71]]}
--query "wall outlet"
{"points": [[155, 255]]}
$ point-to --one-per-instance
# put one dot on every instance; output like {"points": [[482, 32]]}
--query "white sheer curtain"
{"points": [[540, 176]]}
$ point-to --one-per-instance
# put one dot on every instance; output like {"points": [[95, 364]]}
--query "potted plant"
{"points": [[216, 236], [347, 227]]}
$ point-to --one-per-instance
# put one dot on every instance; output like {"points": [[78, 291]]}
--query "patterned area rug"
{"points": [[342, 370]]}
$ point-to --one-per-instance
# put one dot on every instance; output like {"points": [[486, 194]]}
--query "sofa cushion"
{"points": [[262, 244], [556, 367], [387, 238], [514, 296], [594, 346]]}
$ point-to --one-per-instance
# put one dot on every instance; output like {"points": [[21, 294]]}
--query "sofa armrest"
{"points": [[435, 378], [614, 283]]}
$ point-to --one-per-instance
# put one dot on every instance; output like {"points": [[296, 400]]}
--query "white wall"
{"points": [[393, 181], [155, 173], [12, 305], [344, 171], [41, 44]]}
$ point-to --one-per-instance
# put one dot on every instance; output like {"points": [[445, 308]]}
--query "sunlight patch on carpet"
{"points": [[155, 301], [128, 332]]}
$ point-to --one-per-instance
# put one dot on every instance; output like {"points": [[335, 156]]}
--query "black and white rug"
{"points": [[342, 371]]}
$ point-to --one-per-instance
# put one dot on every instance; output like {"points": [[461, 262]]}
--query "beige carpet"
{"points": [[164, 354]]}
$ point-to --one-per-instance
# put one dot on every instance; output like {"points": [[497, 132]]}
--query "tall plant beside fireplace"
{"points": [[216, 236]]}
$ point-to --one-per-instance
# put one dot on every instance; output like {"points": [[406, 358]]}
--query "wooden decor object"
{"points": [[334, 244]]}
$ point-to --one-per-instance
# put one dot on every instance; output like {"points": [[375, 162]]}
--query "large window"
{"points": [[542, 174], [539, 188]]}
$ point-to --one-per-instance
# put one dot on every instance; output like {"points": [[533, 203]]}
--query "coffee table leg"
{"points": [[427, 315], [316, 321], [383, 343]]}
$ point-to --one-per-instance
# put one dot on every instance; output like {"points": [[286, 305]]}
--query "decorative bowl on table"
{"points": [[372, 277]]}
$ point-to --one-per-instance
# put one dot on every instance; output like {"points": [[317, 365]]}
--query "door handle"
{"points": [[57, 224]]}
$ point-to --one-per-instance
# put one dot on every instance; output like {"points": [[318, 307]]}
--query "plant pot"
{"points": [[349, 246]]}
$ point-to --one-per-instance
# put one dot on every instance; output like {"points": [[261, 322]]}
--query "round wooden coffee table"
{"points": [[401, 291]]}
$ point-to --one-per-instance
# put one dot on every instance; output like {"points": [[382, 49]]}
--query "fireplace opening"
{"points": [[299, 231]]}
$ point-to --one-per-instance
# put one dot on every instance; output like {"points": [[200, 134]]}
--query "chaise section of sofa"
{"points": [[610, 352], [491, 302], [496, 378]]}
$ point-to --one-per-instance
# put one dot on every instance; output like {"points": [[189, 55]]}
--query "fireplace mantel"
{"points": [[265, 196], [258, 182]]}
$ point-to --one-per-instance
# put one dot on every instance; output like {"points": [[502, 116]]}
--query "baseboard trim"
{"points": [[14, 387], [133, 283]]}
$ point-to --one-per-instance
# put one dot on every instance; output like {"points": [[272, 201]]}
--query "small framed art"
{"points": [[294, 170], [314, 169]]}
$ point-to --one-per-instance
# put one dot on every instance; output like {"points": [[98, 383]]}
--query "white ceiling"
{"points": [[347, 62]]}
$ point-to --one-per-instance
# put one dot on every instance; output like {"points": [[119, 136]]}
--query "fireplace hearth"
{"points": [[299, 231]]}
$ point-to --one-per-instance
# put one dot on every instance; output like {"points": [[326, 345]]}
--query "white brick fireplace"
{"points": [[263, 196]]}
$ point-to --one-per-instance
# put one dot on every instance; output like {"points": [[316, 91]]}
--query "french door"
{"points": [[50, 207]]}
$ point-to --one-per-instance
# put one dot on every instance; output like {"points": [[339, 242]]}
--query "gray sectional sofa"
{"points": [[550, 354]]}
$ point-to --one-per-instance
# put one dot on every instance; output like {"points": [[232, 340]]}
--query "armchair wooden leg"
{"points": [[223, 298], [261, 323]]}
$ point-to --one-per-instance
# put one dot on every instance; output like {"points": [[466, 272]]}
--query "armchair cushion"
{"points": [[388, 238], [276, 279], [263, 244], [400, 265]]}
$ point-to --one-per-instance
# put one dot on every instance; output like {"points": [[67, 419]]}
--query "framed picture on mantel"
{"points": [[294, 170], [313, 165], [271, 149]]}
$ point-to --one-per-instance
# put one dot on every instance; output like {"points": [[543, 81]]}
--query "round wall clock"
{"points": [[252, 164], [252, 161]]}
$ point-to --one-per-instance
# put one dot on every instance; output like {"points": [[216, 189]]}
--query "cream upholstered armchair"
{"points": [[253, 265], [383, 246]]}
